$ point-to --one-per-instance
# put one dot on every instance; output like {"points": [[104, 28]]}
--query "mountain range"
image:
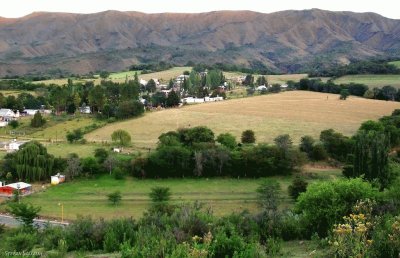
{"points": [[286, 41]]}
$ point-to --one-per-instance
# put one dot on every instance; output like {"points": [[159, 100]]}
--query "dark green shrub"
{"points": [[318, 152], [74, 136], [298, 186], [37, 120], [21, 241], [14, 124], [118, 173]]}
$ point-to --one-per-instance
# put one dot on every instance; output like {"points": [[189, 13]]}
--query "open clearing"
{"points": [[88, 196], [372, 80], [396, 63], [296, 113]]}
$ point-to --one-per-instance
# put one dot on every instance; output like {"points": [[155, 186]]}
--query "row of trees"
{"points": [[356, 89], [360, 67], [196, 152]]}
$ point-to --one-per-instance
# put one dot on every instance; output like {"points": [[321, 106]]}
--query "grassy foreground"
{"points": [[222, 195], [296, 113]]}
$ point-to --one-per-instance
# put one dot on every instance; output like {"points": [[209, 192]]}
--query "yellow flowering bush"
{"points": [[352, 238]]}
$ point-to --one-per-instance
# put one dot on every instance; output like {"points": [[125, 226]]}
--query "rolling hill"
{"points": [[284, 41], [296, 113]]}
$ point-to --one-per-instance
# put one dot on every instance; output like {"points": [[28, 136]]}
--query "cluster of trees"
{"points": [[356, 89], [360, 67], [154, 67], [119, 100], [254, 68], [196, 152]]}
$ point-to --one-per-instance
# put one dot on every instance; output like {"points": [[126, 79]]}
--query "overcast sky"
{"points": [[18, 8]]}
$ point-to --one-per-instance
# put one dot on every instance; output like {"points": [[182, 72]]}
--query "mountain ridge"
{"points": [[46, 42]]}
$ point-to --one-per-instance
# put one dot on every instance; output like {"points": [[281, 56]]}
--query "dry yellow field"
{"points": [[296, 113]]}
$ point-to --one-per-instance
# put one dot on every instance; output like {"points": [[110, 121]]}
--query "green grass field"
{"points": [[88, 196], [396, 63], [371, 80]]}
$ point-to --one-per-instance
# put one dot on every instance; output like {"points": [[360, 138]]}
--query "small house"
{"points": [[23, 188], [7, 115], [13, 145], [85, 110], [262, 88], [57, 179], [30, 112]]}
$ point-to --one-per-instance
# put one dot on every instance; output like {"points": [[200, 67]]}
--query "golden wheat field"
{"points": [[296, 113]]}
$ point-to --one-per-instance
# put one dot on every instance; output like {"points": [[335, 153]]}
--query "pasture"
{"points": [[396, 63], [222, 195], [296, 113], [371, 80]]}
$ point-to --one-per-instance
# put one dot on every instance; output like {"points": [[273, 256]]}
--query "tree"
{"points": [[151, 86], [77, 101], [228, 140], [104, 74], [74, 136], [344, 93], [283, 141], [371, 157], [262, 81], [73, 168], [109, 163], [38, 120], [275, 88], [14, 124], [97, 98], [24, 212], [298, 186], [101, 155], [160, 194], [173, 99], [32, 162], [90, 165], [268, 195], [114, 197], [129, 108], [249, 80], [198, 134], [389, 92], [306, 144], [248, 137], [122, 137]]}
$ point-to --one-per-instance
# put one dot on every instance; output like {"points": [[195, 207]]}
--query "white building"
{"points": [[13, 145], [85, 110]]}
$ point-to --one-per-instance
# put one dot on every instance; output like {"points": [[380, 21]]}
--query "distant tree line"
{"points": [[356, 89], [360, 67]]}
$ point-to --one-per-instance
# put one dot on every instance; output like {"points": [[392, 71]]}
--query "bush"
{"points": [[37, 120], [318, 152], [118, 173], [74, 136], [14, 124], [325, 203], [114, 197], [298, 186], [248, 136], [21, 241]]}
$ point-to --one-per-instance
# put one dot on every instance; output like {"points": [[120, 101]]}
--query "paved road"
{"points": [[13, 222]]}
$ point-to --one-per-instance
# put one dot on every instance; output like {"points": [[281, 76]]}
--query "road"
{"points": [[10, 221]]}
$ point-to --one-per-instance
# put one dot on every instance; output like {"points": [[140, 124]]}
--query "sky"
{"points": [[19, 8]]}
